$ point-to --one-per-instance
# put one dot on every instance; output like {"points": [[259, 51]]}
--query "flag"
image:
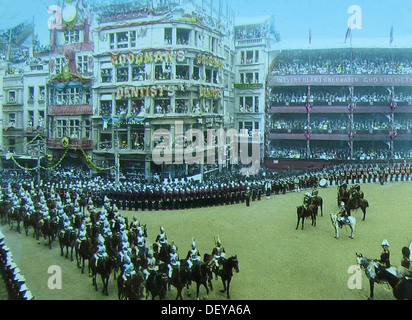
{"points": [[348, 34], [310, 36], [391, 36]]}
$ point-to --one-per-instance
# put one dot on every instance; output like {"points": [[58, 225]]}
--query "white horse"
{"points": [[339, 223]]}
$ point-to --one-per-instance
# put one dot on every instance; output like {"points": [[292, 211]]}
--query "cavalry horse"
{"points": [[336, 223], [201, 274], [33, 220], [17, 214], [356, 201], [181, 278], [156, 285], [318, 201], [84, 251], [132, 288], [402, 287], [49, 230], [5, 208], [104, 267], [304, 213], [67, 240], [226, 273]]}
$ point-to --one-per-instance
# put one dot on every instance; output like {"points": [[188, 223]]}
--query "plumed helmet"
{"points": [[385, 243]]}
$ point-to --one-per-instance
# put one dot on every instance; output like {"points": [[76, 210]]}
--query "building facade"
{"points": [[158, 75]]}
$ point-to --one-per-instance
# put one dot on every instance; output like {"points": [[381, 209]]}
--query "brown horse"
{"points": [[304, 213], [356, 201], [318, 201]]}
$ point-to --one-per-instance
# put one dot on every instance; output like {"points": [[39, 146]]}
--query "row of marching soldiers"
{"points": [[110, 233], [12, 275]]}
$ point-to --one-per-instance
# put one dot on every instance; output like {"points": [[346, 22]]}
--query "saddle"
{"points": [[343, 221]]}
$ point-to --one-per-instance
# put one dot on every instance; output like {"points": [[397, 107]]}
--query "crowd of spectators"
{"points": [[337, 125], [329, 98], [343, 61], [325, 153]]}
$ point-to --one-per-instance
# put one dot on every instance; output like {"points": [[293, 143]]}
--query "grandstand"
{"points": [[339, 105]]}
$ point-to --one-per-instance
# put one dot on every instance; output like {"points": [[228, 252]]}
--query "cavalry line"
{"points": [[276, 261]]}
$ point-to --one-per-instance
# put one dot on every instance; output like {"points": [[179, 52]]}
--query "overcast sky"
{"points": [[327, 19]]}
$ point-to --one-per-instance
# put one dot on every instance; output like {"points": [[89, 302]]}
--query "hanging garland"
{"points": [[68, 148]]}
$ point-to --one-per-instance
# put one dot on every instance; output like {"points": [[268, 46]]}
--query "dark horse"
{"points": [[84, 251], [356, 201], [304, 213], [226, 273], [49, 231], [132, 288], [181, 277], [5, 208], [201, 274], [104, 267], [156, 285], [318, 201], [66, 240], [402, 287]]}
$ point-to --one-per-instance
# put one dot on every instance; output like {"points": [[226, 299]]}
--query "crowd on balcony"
{"points": [[327, 98], [325, 153], [328, 125], [330, 62]]}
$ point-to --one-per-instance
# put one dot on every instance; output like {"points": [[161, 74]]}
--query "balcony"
{"points": [[73, 144], [70, 110]]}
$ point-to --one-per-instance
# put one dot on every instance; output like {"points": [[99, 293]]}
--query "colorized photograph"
{"points": [[227, 151]]}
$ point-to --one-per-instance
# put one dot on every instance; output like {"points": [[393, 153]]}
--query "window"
{"points": [[249, 57], [74, 129], [138, 73], [122, 40], [107, 75], [168, 36], [58, 65], [71, 36], [61, 129], [122, 74], [69, 96], [182, 106], [82, 64], [249, 104], [121, 107], [68, 128], [87, 129], [183, 37], [30, 119], [105, 108], [12, 96], [163, 71], [31, 95], [182, 72], [12, 119], [42, 93]]}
